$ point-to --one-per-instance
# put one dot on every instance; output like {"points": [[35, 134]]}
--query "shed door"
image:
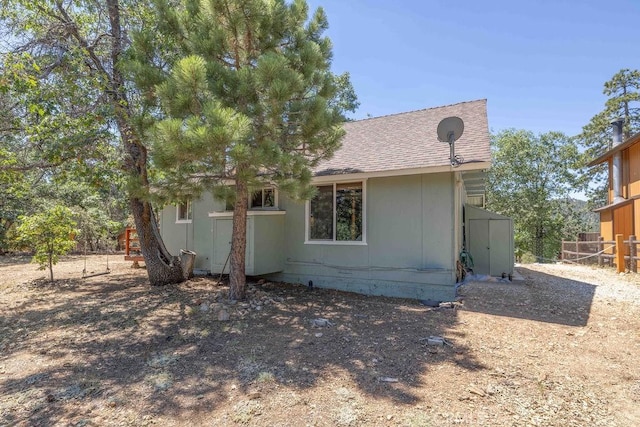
{"points": [[500, 255], [489, 244]]}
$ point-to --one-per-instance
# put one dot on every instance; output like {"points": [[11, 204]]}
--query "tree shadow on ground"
{"points": [[15, 259], [113, 341], [540, 297]]}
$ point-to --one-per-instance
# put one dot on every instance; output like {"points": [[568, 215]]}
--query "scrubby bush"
{"points": [[48, 234]]}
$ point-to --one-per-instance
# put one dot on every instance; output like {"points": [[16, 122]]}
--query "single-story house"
{"points": [[388, 217]]}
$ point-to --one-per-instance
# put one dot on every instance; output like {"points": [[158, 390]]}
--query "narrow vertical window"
{"points": [[184, 212], [321, 214], [269, 198], [256, 199], [349, 212]]}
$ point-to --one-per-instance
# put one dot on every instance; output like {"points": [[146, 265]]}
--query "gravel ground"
{"points": [[608, 284], [557, 348]]}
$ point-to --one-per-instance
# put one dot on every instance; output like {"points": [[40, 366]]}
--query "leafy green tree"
{"points": [[530, 181], [252, 101], [49, 234], [100, 213], [52, 153], [79, 47], [577, 217], [15, 180], [623, 92]]}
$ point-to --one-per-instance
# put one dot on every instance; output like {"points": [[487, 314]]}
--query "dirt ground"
{"points": [[559, 348]]}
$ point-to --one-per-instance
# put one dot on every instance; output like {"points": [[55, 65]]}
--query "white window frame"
{"points": [[275, 200], [189, 217], [333, 241]]}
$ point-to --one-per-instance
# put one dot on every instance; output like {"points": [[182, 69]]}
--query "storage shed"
{"points": [[489, 239]]}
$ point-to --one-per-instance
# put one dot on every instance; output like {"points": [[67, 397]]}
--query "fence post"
{"points": [[633, 266], [577, 251], [619, 253], [600, 248]]}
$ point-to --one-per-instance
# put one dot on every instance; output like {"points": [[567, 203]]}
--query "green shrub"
{"points": [[48, 234]]}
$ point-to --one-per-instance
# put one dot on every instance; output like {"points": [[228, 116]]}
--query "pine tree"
{"points": [[252, 101]]}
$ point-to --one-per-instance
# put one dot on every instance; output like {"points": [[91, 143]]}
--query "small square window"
{"points": [[263, 199]]}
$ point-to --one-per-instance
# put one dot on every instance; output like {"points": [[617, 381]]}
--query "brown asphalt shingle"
{"points": [[409, 140]]}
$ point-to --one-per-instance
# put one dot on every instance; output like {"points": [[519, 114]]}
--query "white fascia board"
{"points": [[400, 172]]}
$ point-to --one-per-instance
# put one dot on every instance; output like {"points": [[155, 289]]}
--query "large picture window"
{"points": [[336, 213]]}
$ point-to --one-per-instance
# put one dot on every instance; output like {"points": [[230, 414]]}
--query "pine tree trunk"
{"points": [[237, 278], [162, 267]]}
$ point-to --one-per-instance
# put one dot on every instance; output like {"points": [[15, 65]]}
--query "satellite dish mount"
{"points": [[449, 131]]}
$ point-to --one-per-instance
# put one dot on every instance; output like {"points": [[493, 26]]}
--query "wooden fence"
{"points": [[603, 252]]}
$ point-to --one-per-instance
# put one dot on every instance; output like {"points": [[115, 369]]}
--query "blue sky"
{"points": [[540, 64]]}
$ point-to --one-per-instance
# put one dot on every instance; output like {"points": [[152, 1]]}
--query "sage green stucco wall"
{"points": [[410, 244], [175, 235], [194, 236], [410, 248], [268, 237]]}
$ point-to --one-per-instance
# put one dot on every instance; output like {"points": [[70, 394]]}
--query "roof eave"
{"points": [[617, 204], [471, 166], [606, 155]]}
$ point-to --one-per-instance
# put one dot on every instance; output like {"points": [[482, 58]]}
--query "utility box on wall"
{"points": [[489, 239]]}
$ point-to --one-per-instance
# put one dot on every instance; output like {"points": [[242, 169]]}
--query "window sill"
{"points": [[184, 221], [335, 242], [261, 212]]}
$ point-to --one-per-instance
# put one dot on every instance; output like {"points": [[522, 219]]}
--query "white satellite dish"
{"points": [[450, 129]]}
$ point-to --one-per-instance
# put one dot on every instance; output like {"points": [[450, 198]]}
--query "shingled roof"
{"points": [[409, 141]]}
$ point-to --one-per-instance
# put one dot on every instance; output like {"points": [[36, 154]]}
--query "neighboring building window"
{"points": [[264, 198], [184, 212], [336, 213]]}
